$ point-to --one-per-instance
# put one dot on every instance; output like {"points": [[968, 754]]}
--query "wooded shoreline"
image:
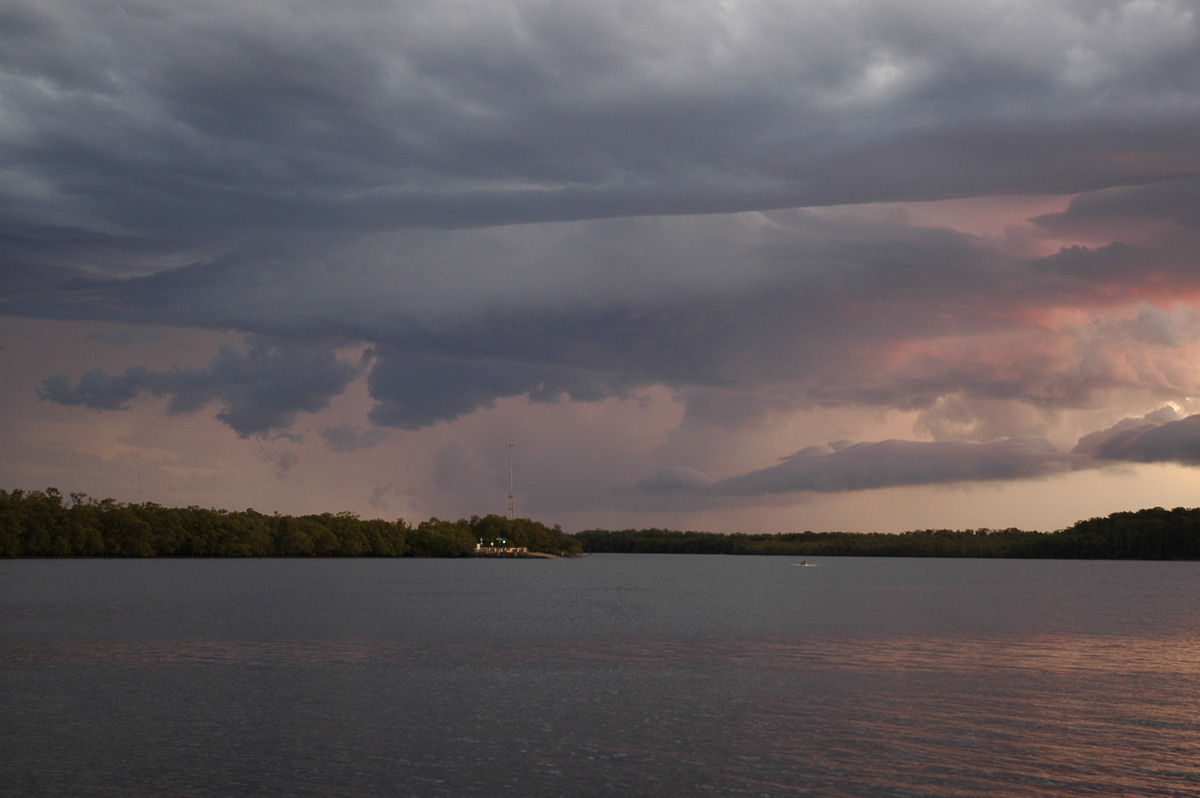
{"points": [[45, 524], [1151, 534]]}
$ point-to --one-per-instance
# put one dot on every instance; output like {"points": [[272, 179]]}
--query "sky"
{"points": [[739, 266]]}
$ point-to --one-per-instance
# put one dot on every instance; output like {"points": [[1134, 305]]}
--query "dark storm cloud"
{"points": [[261, 388], [417, 391], [742, 316], [97, 389], [453, 186], [1176, 201], [1154, 234], [161, 118]]}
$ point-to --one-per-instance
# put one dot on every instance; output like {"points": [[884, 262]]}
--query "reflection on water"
{"points": [[719, 676], [1047, 655]]}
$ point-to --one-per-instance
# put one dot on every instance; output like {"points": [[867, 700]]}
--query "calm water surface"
{"points": [[653, 675]]}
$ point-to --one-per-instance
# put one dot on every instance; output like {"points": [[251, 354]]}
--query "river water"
{"points": [[606, 675]]}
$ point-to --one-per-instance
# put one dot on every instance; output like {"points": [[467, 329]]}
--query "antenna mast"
{"points": [[512, 502]]}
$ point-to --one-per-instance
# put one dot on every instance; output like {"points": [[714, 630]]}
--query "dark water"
{"points": [[612, 675]]}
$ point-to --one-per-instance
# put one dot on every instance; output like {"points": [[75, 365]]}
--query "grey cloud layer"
{"points": [[767, 311], [501, 199], [154, 117]]}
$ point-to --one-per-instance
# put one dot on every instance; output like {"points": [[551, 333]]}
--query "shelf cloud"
{"points": [[847, 466]]}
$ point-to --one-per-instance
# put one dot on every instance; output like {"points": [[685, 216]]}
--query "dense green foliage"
{"points": [[525, 533], [1155, 534], [923, 543], [44, 524]]}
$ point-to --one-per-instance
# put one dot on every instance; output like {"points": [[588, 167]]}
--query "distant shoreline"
{"points": [[1152, 534], [40, 524]]}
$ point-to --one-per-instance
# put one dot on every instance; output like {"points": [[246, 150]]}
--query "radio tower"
{"points": [[512, 502]]}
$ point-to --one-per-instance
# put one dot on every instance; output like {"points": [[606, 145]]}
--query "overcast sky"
{"points": [[740, 265]]}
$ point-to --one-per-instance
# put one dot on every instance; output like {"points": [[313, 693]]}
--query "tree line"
{"points": [[47, 524], [1153, 534]]}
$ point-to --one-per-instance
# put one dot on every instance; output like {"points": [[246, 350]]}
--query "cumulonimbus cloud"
{"points": [[520, 199]]}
